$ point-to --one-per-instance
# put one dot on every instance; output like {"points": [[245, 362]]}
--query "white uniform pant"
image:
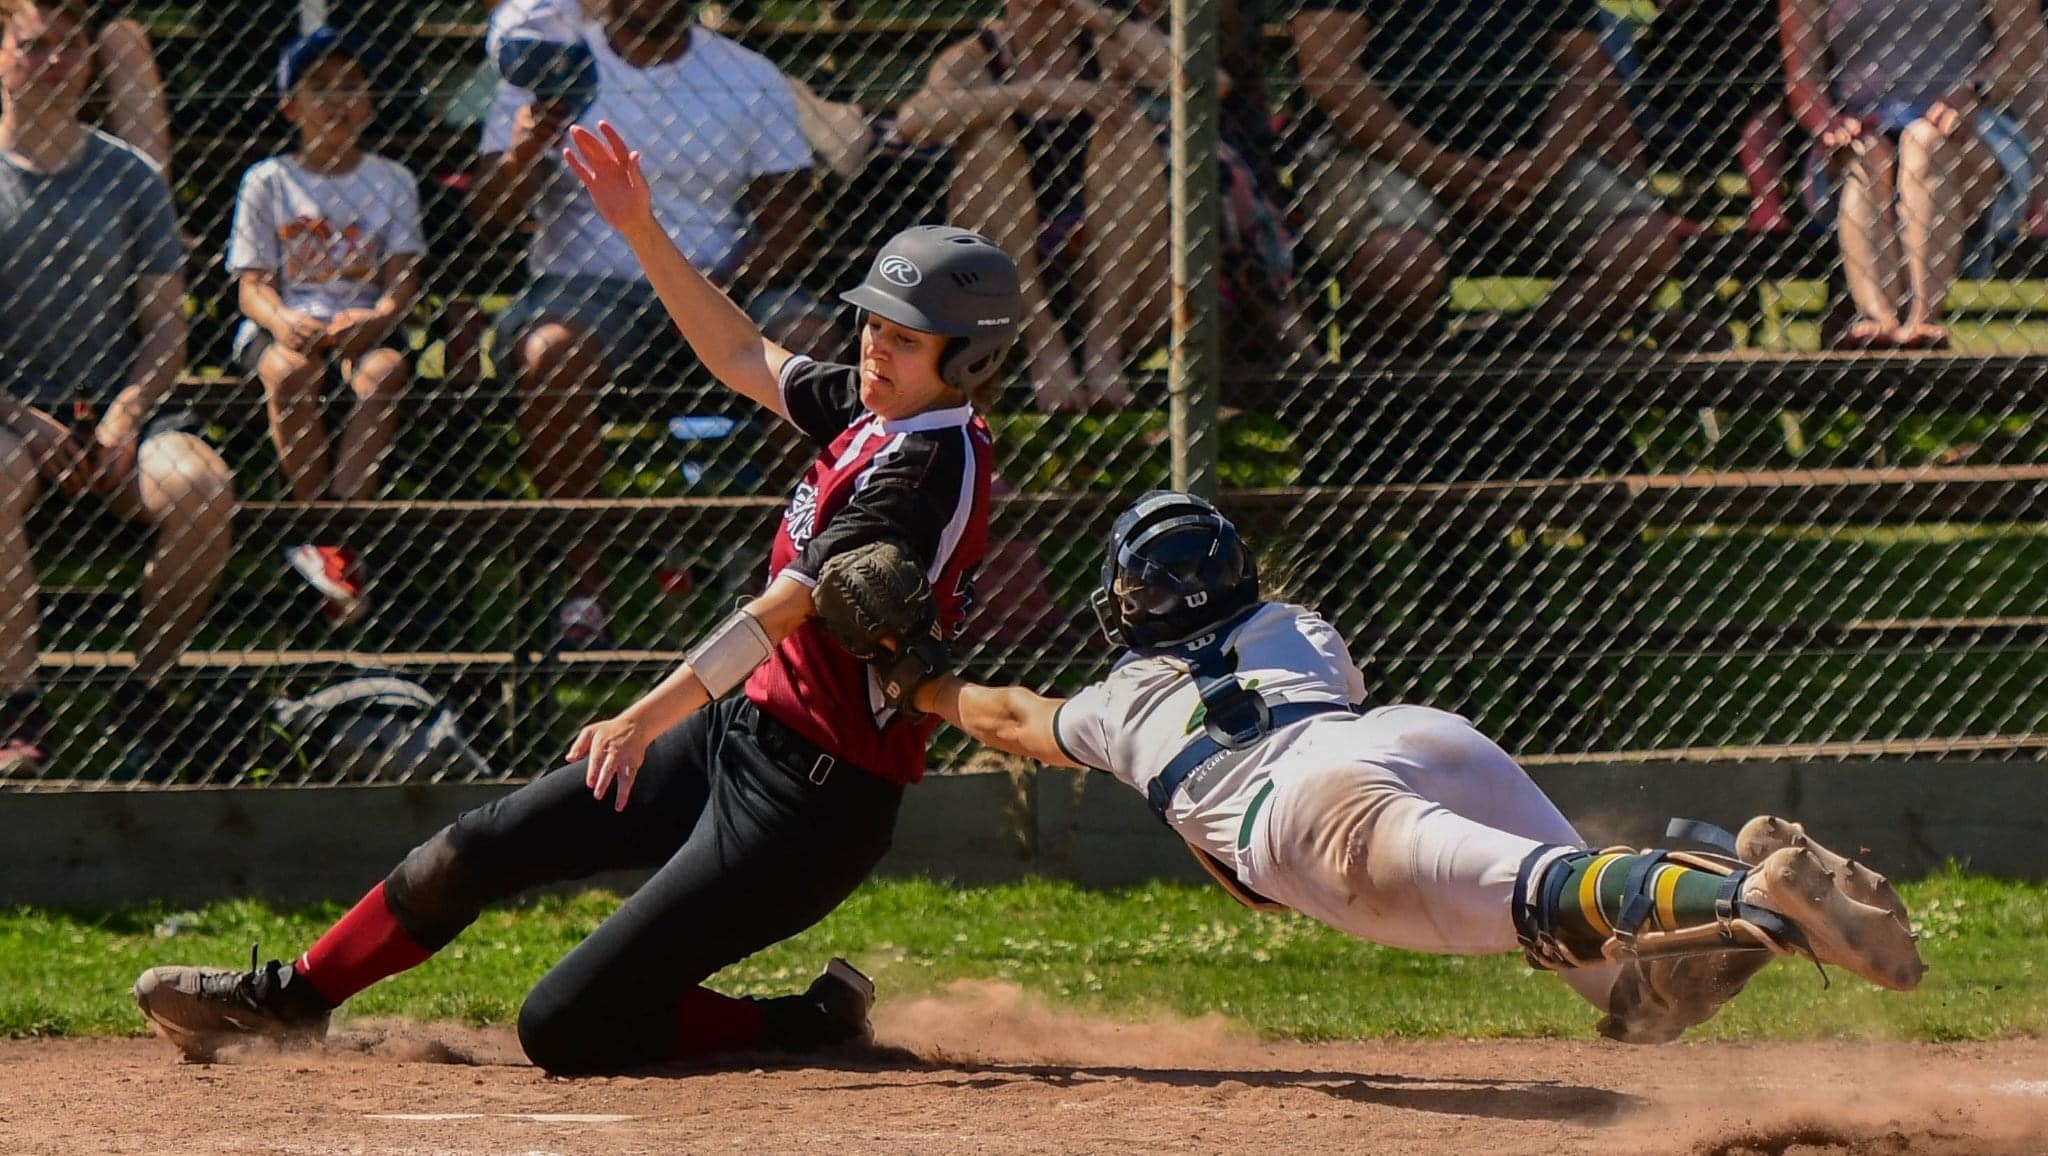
{"points": [[1407, 827]]}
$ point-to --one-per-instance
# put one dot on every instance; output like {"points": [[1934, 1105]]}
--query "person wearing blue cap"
{"points": [[731, 171], [327, 243]]}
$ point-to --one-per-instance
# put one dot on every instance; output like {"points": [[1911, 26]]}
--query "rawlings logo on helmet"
{"points": [[899, 270]]}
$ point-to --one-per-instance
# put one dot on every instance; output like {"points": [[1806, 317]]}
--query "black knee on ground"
{"points": [[565, 1038], [435, 892]]}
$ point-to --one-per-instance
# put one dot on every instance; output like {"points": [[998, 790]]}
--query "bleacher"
{"points": [[1341, 495]]}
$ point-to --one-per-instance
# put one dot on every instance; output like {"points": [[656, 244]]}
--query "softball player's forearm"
{"points": [[1008, 718], [727, 654], [672, 700], [718, 331]]}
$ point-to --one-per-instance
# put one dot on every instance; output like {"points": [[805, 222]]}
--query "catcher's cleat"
{"points": [[201, 1008], [1688, 929], [832, 1012], [1767, 833], [1874, 942]]}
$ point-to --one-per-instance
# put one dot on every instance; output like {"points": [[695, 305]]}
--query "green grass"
{"points": [[1157, 949]]}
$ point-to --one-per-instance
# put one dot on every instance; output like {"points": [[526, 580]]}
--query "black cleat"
{"points": [[201, 1008], [831, 1013], [847, 997]]}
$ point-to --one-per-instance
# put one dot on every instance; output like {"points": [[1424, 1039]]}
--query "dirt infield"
{"points": [[983, 1070]]}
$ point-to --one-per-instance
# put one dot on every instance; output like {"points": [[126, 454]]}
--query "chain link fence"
{"points": [[1662, 381]]}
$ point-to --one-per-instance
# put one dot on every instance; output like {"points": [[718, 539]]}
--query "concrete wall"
{"points": [[191, 846]]}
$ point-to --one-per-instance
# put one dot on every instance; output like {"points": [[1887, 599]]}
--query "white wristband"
{"points": [[725, 657]]}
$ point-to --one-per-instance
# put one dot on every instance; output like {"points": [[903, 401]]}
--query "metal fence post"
{"points": [[1195, 352]]}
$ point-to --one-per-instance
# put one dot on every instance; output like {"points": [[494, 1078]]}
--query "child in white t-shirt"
{"points": [[326, 247]]}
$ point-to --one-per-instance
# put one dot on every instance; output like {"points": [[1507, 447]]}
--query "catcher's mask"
{"points": [[1176, 575], [952, 282]]}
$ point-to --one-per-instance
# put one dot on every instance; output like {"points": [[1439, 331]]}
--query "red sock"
{"points": [[709, 1022], [367, 945]]}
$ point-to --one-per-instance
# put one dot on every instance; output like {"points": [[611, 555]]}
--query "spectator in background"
{"points": [[841, 135], [1427, 122], [1057, 160], [1914, 149], [326, 247], [90, 314], [1263, 324], [730, 172]]}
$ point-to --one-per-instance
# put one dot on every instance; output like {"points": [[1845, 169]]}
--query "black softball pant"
{"points": [[751, 837]]}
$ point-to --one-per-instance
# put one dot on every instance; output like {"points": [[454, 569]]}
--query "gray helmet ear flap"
{"points": [[970, 363]]}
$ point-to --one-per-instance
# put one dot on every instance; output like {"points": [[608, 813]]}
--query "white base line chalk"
{"points": [[524, 1117]]}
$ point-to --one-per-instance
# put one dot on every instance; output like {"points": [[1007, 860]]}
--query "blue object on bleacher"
{"points": [[708, 443]]}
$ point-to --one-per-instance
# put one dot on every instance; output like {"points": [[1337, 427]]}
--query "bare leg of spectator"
{"points": [[1945, 183], [291, 386], [18, 488], [991, 194], [1868, 178], [182, 488], [561, 367], [1126, 246], [1400, 279], [1612, 280], [1764, 165], [377, 381]]}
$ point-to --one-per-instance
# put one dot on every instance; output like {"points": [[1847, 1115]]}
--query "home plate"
{"points": [[2022, 1088], [525, 1117]]}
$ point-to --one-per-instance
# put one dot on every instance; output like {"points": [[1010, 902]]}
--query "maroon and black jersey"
{"points": [[922, 481]]}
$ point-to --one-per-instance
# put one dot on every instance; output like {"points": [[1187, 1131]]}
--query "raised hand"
{"points": [[610, 170]]}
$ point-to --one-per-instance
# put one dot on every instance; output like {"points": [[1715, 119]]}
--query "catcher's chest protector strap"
{"points": [[1234, 719], [1205, 751]]}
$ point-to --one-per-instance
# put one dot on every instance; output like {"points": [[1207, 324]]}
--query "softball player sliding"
{"points": [[758, 811], [1403, 825]]}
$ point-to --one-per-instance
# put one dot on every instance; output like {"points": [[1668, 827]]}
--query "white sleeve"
{"points": [[407, 235], [1325, 637], [1081, 727], [505, 106], [252, 241], [779, 142]]}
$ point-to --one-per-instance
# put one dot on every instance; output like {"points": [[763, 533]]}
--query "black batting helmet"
{"points": [[952, 282], [1176, 574]]}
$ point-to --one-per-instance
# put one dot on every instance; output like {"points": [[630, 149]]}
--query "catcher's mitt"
{"points": [[875, 601]]}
